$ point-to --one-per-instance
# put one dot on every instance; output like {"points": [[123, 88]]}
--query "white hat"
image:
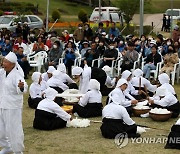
{"points": [[56, 74], [51, 69], [160, 91], [94, 84], [35, 77], [50, 93], [77, 70], [121, 82], [125, 74], [70, 35], [163, 78], [62, 68], [11, 56], [138, 72], [106, 68], [153, 42], [103, 33]]}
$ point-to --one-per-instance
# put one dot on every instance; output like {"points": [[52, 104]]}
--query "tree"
{"points": [[56, 15], [129, 8], [82, 15]]}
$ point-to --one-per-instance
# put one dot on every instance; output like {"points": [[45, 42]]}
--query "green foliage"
{"points": [[1, 12], [19, 8], [82, 15], [129, 8], [56, 15], [178, 23]]}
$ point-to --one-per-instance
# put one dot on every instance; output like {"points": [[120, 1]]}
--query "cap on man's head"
{"points": [[11, 56]]}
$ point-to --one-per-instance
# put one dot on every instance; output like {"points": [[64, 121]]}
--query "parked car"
{"points": [[175, 13], [108, 14], [10, 21]]}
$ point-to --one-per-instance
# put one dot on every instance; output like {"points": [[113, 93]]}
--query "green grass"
{"points": [[157, 6], [89, 140], [69, 11]]}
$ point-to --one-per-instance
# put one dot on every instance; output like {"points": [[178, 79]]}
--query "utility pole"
{"points": [[171, 17], [141, 16], [99, 11], [47, 16], [90, 3]]}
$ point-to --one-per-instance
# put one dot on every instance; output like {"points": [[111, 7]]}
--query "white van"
{"points": [[175, 13], [108, 14]]}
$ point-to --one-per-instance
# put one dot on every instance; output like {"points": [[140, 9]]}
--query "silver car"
{"points": [[10, 21]]}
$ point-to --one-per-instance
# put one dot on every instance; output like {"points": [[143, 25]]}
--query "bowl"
{"points": [[67, 108], [137, 112], [160, 117]]}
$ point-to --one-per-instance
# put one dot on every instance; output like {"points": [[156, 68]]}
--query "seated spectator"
{"points": [[65, 36], [39, 45], [91, 54], [23, 62], [101, 48], [110, 54], [170, 59], [69, 56], [53, 55], [129, 57], [151, 61], [5, 47], [84, 48]]}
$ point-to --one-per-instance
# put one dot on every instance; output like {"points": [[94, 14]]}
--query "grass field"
{"points": [[89, 140], [69, 10]]}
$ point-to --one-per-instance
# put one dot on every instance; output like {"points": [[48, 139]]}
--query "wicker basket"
{"points": [[138, 112], [160, 117]]}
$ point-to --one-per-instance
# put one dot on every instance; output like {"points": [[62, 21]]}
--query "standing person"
{"points": [[12, 88], [114, 30], [168, 24], [79, 33], [88, 33], [25, 31], [164, 23]]}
